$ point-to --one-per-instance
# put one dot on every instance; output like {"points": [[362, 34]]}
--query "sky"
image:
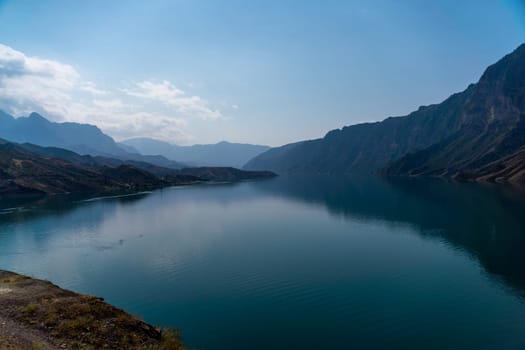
{"points": [[265, 72]]}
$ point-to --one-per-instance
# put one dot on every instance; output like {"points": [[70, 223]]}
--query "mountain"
{"points": [[38, 130], [94, 161], [26, 171], [224, 154], [365, 147], [490, 144], [80, 138], [476, 134], [27, 168]]}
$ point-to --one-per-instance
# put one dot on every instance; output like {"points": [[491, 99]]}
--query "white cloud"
{"points": [[90, 87], [235, 106], [31, 83], [58, 91], [168, 94], [160, 126], [109, 104]]}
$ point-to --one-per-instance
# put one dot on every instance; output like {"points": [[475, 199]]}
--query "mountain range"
{"points": [[477, 134], [26, 171], [219, 154], [90, 140], [80, 138], [31, 169]]}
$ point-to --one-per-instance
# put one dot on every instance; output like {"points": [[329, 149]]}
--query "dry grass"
{"points": [[75, 321]]}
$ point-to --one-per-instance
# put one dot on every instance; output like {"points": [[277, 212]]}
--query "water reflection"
{"points": [[303, 262], [487, 221]]}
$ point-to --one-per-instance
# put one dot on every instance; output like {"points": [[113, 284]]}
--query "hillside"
{"points": [[469, 133], [36, 314], [490, 144], [31, 169], [366, 147], [23, 171], [224, 174]]}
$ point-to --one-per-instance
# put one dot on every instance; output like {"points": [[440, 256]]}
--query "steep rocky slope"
{"points": [[490, 142], [470, 135]]}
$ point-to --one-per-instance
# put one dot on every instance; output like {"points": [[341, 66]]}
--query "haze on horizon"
{"points": [[265, 72]]}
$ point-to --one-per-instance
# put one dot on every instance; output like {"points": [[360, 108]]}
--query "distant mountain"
{"points": [[127, 148], [223, 154], [476, 134], [81, 138], [38, 130]]}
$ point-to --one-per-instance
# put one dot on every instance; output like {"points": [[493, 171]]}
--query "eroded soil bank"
{"points": [[36, 314]]}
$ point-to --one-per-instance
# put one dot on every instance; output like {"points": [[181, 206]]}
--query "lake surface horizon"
{"points": [[304, 262]]}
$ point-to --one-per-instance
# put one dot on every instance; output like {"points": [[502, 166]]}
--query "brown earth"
{"points": [[36, 314]]}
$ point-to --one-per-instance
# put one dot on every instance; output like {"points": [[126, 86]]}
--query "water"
{"points": [[292, 262]]}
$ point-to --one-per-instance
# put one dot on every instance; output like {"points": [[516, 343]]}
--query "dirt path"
{"points": [[16, 336]]}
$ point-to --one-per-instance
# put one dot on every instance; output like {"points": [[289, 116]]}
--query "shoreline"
{"points": [[36, 314]]}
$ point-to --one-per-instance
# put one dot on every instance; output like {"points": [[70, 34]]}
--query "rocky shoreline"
{"points": [[36, 314]]}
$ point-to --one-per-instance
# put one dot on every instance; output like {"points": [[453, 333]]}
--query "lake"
{"points": [[313, 262]]}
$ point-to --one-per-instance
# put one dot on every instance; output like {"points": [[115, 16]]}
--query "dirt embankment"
{"points": [[36, 314]]}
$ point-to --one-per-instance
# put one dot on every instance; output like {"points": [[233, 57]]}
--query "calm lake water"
{"points": [[292, 262]]}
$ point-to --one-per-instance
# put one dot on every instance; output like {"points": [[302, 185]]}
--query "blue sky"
{"points": [[268, 72]]}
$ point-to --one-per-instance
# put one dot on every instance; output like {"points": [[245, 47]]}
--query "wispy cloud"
{"points": [[58, 91], [168, 94], [90, 87], [109, 104]]}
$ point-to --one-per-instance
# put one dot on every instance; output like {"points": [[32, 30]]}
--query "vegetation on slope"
{"points": [[28, 168], [36, 314]]}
